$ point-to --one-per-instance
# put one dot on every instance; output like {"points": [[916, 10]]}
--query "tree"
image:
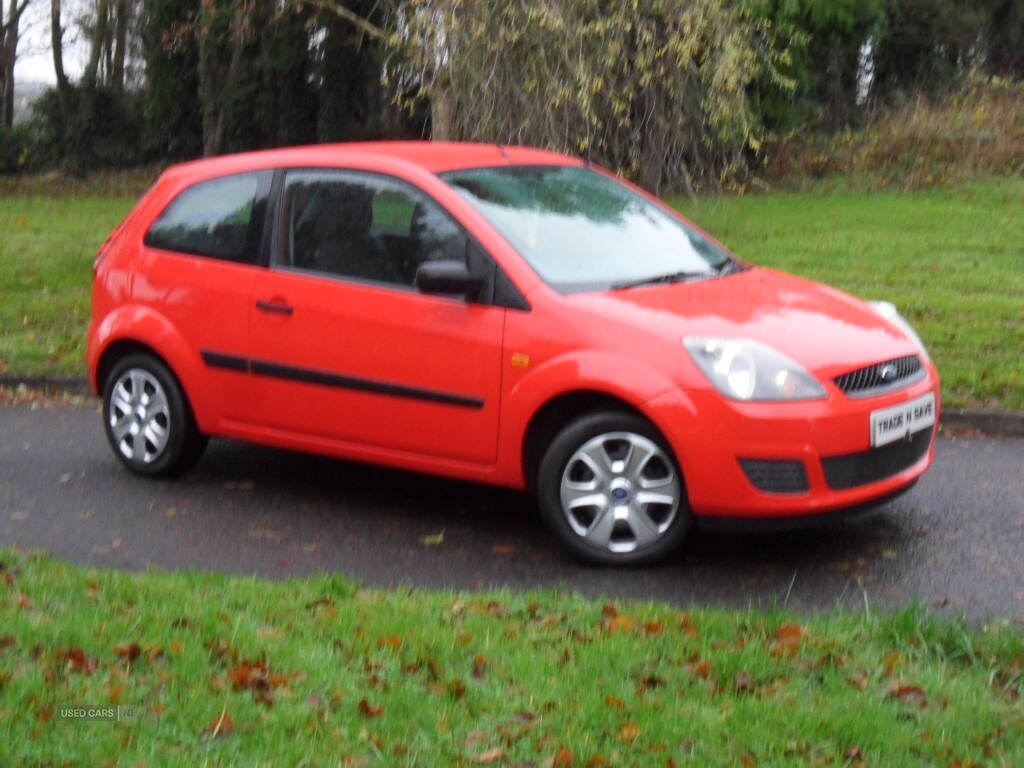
{"points": [[657, 90], [224, 29], [347, 66], [1004, 32], [57, 49], [173, 116], [926, 45], [9, 37]]}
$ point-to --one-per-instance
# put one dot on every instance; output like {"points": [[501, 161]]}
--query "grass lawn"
{"points": [[46, 254], [952, 260], [227, 670]]}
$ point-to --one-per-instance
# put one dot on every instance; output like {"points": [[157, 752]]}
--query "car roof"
{"points": [[433, 156]]}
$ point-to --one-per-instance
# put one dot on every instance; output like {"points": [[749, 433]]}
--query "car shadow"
{"points": [[487, 517]]}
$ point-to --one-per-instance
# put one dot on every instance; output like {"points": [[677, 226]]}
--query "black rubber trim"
{"points": [[856, 469], [220, 360], [776, 475], [716, 524], [311, 376]]}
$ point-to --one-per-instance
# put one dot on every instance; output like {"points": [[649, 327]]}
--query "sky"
{"points": [[35, 61]]}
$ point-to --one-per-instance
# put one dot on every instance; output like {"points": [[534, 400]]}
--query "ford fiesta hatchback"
{"points": [[503, 315]]}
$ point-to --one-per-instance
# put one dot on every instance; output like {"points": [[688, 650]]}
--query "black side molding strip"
{"points": [[323, 378], [220, 360]]}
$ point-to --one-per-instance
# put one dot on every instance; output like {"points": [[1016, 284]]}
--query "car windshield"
{"points": [[583, 231]]}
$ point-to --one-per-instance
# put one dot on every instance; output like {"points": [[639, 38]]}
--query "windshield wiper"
{"points": [[728, 267], [671, 277]]}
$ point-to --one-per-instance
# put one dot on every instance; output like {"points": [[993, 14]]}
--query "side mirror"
{"points": [[448, 277]]}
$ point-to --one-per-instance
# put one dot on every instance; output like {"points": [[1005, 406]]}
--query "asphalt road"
{"points": [[955, 542]]}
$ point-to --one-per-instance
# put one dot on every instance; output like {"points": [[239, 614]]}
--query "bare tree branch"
{"points": [[342, 12]]}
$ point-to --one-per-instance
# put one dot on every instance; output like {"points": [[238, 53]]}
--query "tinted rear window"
{"points": [[212, 218]]}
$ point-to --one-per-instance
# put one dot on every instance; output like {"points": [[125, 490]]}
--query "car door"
{"points": [[197, 268], [345, 347]]}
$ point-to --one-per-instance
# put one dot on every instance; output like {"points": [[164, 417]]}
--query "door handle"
{"points": [[274, 307]]}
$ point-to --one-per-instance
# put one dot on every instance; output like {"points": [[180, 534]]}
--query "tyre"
{"points": [[147, 418], [611, 490]]}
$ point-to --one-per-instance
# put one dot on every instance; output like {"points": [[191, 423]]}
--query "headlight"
{"points": [[889, 312], [748, 370]]}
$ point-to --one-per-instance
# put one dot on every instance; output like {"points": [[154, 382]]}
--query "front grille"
{"points": [[855, 469], [776, 476], [868, 380]]}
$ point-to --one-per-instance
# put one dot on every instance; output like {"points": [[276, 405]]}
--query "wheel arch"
{"points": [[140, 329], [559, 411], [118, 349]]}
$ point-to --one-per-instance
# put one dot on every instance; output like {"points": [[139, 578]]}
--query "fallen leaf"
{"points": [[597, 761], [621, 623], [788, 633], [479, 666], [245, 675], [649, 682], [615, 702], [906, 694], [115, 693], [686, 625], [858, 680], [890, 661], [652, 627], [366, 709], [854, 754], [787, 639], [221, 725], [490, 756], [563, 758], [748, 760], [128, 651], [628, 731], [503, 549], [76, 660], [477, 737]]}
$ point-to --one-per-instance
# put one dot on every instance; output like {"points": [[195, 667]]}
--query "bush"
{"points": [[975, 131], [13, 147], [103, 129]]}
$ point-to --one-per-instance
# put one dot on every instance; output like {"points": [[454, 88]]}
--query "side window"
{"points": [[364, 226], [215, 218]]}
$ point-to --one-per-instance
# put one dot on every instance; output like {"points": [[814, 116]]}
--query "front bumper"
{"points": [[829, 438]]}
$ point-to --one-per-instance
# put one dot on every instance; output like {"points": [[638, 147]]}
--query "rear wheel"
{"points": [[610, 489], [147, 418]]}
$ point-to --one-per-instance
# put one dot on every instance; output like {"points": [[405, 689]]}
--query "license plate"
{"points": [[898, 421]]}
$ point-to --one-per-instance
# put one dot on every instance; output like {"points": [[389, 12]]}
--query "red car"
{"points": [[503, 315]]}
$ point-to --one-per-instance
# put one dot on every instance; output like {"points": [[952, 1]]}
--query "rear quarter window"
{"points": [[218, 218]]}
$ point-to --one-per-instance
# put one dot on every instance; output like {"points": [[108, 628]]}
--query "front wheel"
{"points": [[147, 418], [611, 490]]}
